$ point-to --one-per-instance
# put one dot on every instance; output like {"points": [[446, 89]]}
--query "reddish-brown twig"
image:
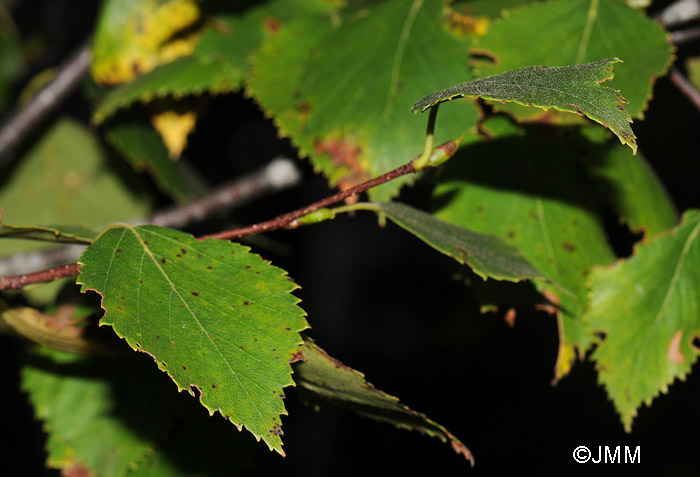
{"points": [[17, 282], [445, 150], [284, 220]]}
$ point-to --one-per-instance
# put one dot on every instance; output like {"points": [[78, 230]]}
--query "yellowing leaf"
{"points": [[174, 127], [133, 37]]}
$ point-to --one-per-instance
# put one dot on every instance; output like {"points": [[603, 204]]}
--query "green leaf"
{"points": [[487, 255], [566, 32], [341, 92], [143, 148], [648, 306], [630, 185], [219, 63], [214, 316], [67, 177], [567, 88], [322, 379], [94, 411], [61, 234], [543, 205]]}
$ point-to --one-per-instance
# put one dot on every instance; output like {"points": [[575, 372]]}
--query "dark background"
{"points": [[384, 303]]}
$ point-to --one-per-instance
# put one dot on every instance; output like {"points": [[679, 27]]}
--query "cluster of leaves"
{"points": [[522, 199]]}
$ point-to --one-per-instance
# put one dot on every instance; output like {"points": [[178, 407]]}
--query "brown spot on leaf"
{"points": [[162, 260], [276, 430], [345, 153], [297, 356], [674, 353], [272, 25], [551, 305], [569, 247], [184, 252], [304, 107], [209, 268], [119, 250], [75, 470], [195, 293], [213, 386], [480, 209], [464, 22], [511, 234], [533, 215], [510, 317]]}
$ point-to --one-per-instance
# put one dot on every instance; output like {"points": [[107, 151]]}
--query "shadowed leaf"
{"points": [[544, 204], [488, 255], [93, 418], [322, 379]]}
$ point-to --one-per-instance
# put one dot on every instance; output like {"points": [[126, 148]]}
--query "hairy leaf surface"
{"points": [[323, 379], [488, 255], [214, 316], [648, 306], [570, 32], [567, 88], [535, 196], [341, 92]]}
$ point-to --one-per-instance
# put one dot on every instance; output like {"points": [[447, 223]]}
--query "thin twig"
{"points": [[680, 37], [685, 86], [23, 121], [681, 11], [17, 282], [284, 220], [446, 149], [279, 174]]}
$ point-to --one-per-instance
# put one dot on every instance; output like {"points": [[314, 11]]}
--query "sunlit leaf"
{"points": [[571, 32], [648, 306], [567, 88], [341, 93], [217, 318]]}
